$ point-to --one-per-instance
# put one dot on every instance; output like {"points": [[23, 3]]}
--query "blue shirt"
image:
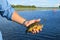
{"points": [[5, 9]]}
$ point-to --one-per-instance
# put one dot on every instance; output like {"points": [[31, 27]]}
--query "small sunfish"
{"points": [[34, 26]]}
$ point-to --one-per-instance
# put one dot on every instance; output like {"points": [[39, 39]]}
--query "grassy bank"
{"points": [[30, 9], [25, 8]]}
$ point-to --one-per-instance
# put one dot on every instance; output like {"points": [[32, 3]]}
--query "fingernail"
{"points": [[37, 31], [33, 32], [40, 29]]}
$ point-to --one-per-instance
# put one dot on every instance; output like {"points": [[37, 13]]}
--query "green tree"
{"points": [[22, 6]]}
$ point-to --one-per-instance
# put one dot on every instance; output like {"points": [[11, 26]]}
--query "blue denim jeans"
{"points": [[1, 36]]}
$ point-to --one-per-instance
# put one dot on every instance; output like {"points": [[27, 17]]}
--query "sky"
{"points": [[38, 3]]}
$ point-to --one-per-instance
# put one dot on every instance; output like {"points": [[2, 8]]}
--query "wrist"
{"points": [[25, 23]]}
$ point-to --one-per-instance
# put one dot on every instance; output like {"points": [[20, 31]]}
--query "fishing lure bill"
{"points": [[36, 26]]}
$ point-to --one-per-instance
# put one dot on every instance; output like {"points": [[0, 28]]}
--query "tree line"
{"points": [[22, 6]]}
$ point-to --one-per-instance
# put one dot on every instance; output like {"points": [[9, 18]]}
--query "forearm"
{"points": [[17, 18]]}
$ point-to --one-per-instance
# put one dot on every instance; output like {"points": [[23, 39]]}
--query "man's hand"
{"points": [[17, 18], [27, 23]]}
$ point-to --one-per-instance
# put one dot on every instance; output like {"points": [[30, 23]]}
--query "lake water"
{"points": [[49, 18]]}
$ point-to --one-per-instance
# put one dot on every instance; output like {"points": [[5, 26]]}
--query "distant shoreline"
{"points": [[33, 7], [30, 9]]}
